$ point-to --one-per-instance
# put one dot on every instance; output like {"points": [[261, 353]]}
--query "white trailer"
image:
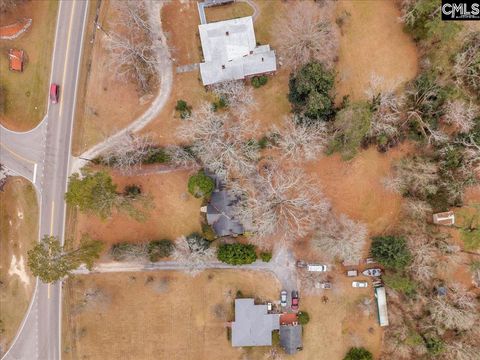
{"points": [[381, 298], [317, 267]]}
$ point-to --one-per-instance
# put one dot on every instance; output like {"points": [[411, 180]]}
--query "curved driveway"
{"points": [[42, 155]]}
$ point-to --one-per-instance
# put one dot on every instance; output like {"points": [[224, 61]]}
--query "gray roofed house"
{"points": [[291, 338], [253, 325], [231, 52], [220, 215]]}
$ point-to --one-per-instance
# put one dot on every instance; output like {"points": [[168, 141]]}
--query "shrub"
{"points": [[358, 353], [435, 345], [208, 232], [159, 249], [351, 126], [132, 190], [401, 283], [303, 317], [236, 254], [200, 185], [266, 256], [258, 81], [310, 91], [196, 242], [390, 251], [156, 156], [184, 109], [263, 142], [221, 103], [126, 251]]}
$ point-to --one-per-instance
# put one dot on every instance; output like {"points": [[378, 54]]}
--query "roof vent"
{"points": [[223, 66], [227, 33], [262, 58]]}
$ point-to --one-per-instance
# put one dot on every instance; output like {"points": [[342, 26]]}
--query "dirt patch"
{"points": [[18, 234], [109, 104], [185, 321], [176, 212], [373, 42], [227, 12], [26, 93]]}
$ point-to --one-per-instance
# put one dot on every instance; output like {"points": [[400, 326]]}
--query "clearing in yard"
{"points": [[229, 11], [175, 211], [157, 315], [18, 234], [372, 43], [24, 96], [106, 104], [355, 188]]}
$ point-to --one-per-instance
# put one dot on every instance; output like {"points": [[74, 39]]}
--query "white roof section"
{"points": [[381, 297], [253, 325], [230, 51]]}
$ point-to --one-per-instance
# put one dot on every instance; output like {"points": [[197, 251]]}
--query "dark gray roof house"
{"points": [[220, 214], [291, 338], [253, 325]]}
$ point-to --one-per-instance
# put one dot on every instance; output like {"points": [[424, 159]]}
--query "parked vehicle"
{"points": [[269, 306], [283, 298], [372, 272], [295, 300], [359, 284], [352, 273], [326, 285], [370, 261], [54, 92], [317, 267]]}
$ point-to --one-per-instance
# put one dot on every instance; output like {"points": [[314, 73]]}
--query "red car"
{"points": [[294, 300], [54, 90]]}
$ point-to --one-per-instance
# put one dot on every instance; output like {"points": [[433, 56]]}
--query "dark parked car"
{"points": [[54, 90], [295, 300]]}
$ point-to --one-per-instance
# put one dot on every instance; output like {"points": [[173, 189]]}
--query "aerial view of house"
{"points": [[239, 179]]}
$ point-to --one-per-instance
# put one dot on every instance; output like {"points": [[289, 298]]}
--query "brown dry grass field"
{"points": [[175, 211], [26, 94], [373, 42], [180, 317], [18, 234], [236, 10], [157, 315], [106, 104]]}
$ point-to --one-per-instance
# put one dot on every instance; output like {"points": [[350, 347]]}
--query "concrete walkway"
{"points": [[187, 68]]}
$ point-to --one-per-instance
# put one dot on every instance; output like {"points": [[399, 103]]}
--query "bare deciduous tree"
{"points": [[461, 114], [305, 34], [180, 157], [387, 115], [238, 96], [128, 151], [133, 45], [467, 68], [414, 176], [299, 141], [193, 258], [459, 350], [281, 201], [341, 238], [222, 146], [457, 311]]}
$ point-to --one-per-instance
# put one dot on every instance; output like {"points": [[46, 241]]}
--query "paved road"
{"points": [[42, 156]]}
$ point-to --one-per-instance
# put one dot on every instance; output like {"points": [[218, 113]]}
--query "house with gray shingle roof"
{"points": [[230, 51], [220, 213], [291, 338], [253, 324]]}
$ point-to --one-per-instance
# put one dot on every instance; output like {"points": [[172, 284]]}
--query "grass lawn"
{"points": [[227, 12], [106, 104], [175, 212], [157, 315], [26, 94], [18, 234]]}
